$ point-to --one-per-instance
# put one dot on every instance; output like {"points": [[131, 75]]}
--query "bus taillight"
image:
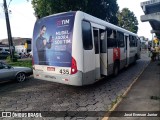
{"points": [[73, 66]]}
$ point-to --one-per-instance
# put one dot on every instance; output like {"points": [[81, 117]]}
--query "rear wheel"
{"points": [[116, 69], [135, 58], [20, 77]]}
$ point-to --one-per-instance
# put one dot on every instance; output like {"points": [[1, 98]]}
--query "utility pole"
{"points": [[11, 48]]}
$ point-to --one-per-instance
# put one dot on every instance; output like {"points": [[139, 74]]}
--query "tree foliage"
{"points": [[127, 20], [103, 9]]}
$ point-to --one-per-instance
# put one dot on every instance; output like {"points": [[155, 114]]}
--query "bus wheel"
{"points": [[115, 69], [135, 59]]}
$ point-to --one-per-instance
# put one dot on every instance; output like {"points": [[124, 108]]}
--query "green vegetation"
{"points": [[127, 20], [116, 100], [18, 62], [8, 59], [103, 9], [22, 63]]}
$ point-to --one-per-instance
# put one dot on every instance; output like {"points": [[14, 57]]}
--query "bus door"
{"points": [[99, 36], [97, 52], [103, 52], [127, 49]]}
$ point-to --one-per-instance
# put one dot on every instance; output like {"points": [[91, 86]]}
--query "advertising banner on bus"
{"points": [[52, 40]]}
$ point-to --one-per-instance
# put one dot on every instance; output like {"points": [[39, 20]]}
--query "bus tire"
{"points": [[135, 59], [115, 69]]}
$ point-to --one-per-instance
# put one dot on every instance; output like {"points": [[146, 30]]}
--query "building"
{"points": [[19, 43], [144, 42], [151, 10]]}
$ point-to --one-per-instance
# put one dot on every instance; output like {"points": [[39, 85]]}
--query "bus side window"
{"points": [[136, 40], [87, 35], [133, 41], [111, 38], [130, 41], [120, 38]]}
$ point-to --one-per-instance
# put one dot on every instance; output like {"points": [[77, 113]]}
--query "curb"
{"points": [[123, 95]]}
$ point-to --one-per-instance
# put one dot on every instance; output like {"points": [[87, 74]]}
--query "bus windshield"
{"points": [[52, 40]]}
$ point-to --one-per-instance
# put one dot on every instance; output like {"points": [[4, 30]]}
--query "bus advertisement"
{"points": [[52, 40]]}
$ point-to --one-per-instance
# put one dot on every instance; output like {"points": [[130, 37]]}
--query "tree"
{"points": [[127, 20], [103, 9]]}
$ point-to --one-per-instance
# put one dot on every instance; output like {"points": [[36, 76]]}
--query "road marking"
{"points": [[123, 95]]}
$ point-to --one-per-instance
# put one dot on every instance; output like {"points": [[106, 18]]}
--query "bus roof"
{"points": [[95, 20], [105, 23]]}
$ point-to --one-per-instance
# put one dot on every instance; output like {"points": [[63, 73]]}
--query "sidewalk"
{"points": [[144, 95]]}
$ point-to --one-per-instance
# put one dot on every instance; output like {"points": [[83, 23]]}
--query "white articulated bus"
{"points": [[78, 49]]}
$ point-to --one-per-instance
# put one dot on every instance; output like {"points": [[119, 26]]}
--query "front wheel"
{"points": [[20, 77]]}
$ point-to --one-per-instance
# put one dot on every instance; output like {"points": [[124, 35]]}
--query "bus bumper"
{"points": [[75, 79]]}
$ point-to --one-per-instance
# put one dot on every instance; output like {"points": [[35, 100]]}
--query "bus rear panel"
{"points": [[52, 50]]}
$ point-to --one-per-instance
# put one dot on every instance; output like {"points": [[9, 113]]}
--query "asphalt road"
{"points": [[38, 95]]}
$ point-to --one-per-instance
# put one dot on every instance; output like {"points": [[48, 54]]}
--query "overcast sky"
{"points": [[134, 6], [22, 18]]}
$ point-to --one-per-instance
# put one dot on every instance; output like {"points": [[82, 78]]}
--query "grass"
{"points": [[116, 100], [22, 63]]}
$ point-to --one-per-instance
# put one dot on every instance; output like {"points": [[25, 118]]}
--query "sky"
{"points": [[134, 6], [22, 18]]}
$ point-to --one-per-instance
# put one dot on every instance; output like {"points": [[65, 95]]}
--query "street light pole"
{"points": [[11, 48]]}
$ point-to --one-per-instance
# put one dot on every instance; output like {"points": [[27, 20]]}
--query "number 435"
{"points": [[64, 71]]}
